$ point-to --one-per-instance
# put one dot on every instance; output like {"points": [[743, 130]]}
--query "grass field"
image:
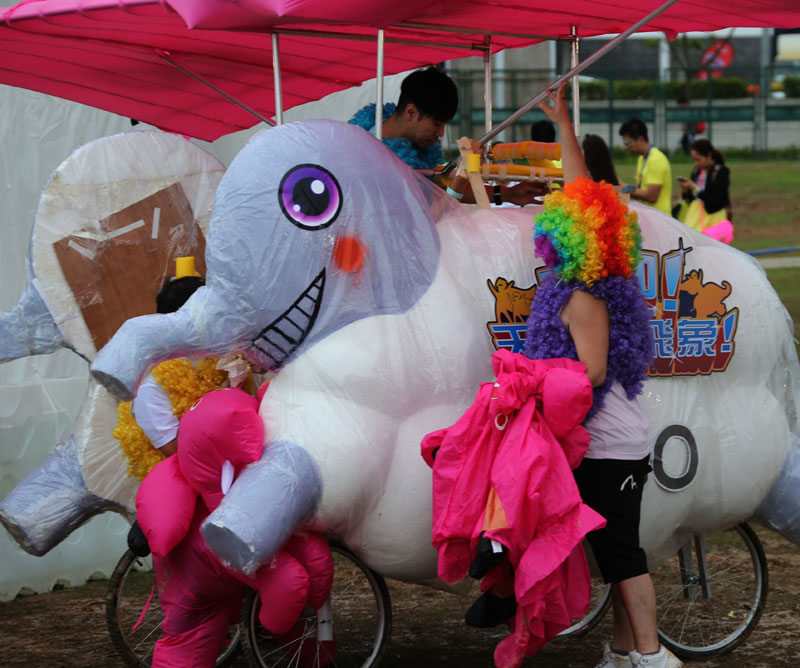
{"points": [[766, 206]]}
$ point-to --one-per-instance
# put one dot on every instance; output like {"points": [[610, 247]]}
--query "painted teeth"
{"points": [[278, 340]]}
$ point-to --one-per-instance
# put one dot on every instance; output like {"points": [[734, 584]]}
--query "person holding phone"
{"points": [[710, 179], [705, 199]]}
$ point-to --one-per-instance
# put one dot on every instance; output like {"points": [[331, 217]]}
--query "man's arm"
{"points": [[648, 193], [152, 411], [653, 179]]}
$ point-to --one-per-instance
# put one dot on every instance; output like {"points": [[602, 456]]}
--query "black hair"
{"points": [[634, 128], [175, 292], [706, 148], [432, 92], [598, 160], [683, 100], [543, 130]]}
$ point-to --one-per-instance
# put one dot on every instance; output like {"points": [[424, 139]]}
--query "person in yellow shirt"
{"points": [[653, 172]]}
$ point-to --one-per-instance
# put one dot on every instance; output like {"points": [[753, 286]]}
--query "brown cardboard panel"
{"points": [[118, 276]]}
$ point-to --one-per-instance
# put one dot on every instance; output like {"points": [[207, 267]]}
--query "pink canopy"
{"points": [[138, 58]]}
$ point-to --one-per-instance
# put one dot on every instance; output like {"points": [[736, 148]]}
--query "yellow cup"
{"points": [[184, 266], [473, 162]]}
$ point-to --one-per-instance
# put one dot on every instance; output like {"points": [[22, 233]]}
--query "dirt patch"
{"points": [[66, 628]]}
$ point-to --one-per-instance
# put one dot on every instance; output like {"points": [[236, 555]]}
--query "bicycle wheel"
{"points": [[361, 615], [712, 593], [134, 624], [600, 601]]}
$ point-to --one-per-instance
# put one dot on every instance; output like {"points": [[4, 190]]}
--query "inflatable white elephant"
{"points": [[378, 301]]}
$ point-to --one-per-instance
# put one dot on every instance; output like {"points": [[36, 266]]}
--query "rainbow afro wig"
{"points": [[586, 233]]}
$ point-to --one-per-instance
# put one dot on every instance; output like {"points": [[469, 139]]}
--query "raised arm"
{"points": [[571, 154]]}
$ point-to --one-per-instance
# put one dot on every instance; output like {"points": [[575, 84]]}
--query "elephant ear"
{"points": [[165, 506]]}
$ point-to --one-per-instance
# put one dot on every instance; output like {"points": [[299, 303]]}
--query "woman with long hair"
{"points": [[597, 157], [705, 199]]}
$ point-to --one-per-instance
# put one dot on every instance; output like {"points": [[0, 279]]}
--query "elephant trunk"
{"points": [[262, 508], [28, 328], [780, 508], [200, 327], [51, 502]]}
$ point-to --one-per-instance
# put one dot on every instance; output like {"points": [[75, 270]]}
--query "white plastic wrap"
{"points": [[79, 205], [326, 265], [110, 222]]}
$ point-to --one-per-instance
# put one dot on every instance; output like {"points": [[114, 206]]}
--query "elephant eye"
{"points": [[310, 196]]}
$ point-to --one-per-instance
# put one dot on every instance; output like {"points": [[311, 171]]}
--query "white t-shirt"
{"points": [[153, 413], [619, 429]]}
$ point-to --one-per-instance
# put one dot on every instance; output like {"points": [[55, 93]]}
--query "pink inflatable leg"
{"points": [[312, 551], [195, 648], [283, 585]]}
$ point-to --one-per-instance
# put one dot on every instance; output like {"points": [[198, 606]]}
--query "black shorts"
{"points": [[613, 487]]}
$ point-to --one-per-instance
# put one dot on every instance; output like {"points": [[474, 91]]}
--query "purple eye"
{"points": [[310, 196]]}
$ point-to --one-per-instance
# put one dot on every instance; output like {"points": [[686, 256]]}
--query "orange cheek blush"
{"points": [[349, 254]]}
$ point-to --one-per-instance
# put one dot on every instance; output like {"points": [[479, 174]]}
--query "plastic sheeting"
{"points": [[378, 301], [41, 396]]}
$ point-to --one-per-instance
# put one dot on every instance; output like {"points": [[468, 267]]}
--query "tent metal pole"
{"points": [[487, 84], [276, 71], [379, 89], [353, 37], [165, 56], [574, 54], [573, 72]]}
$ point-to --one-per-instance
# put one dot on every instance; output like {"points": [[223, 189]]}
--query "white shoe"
{"points": [[662, 659], [613, 660]]}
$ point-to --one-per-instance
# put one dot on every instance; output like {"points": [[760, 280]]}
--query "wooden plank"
{"points": [[116, 275]]}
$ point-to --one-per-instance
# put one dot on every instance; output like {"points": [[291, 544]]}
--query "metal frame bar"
{"points": [[357, 37], [574, 59], [469, 31], [487, 84], [276, 72], [379, 88], [165, 56], [575, 71]]}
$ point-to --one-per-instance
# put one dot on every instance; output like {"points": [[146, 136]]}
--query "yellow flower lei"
{"points": [[184, 383]]}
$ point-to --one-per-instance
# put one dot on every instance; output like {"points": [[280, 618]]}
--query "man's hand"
{"points": [[525, 193]]}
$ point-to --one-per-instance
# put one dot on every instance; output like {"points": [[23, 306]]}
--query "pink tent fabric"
{"points": [[108, 53]]}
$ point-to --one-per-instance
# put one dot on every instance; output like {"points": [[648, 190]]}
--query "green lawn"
{"points": [[766, 207]]}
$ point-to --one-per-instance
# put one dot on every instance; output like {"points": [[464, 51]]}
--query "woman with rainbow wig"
{"points": [[590, 308]]}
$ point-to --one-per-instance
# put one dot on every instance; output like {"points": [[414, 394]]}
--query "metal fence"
{"points": [[747, 108]]}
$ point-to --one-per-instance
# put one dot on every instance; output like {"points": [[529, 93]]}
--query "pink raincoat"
{"points": [[520, 438], [199, 596]]}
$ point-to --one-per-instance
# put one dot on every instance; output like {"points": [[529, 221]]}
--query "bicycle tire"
{"points": [[129, 587], [598, 606], [362, 622], [708, 615]]}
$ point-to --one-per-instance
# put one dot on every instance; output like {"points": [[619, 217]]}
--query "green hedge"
{"points": [[791, 86], [644, 89]]}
